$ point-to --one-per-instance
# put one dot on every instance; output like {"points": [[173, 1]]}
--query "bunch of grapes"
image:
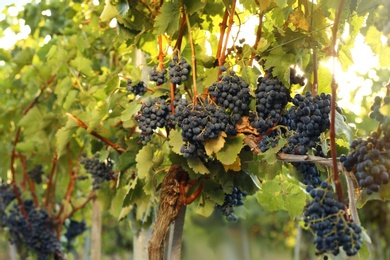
{"points": [[158, 76], [369, 159], [136, 89], [35, 232], [179, 70], [100, 171], [154, 114], [202, 122], [325, 215], [6, 196], [309, 117], [295, 78], [231, 93], [36, 174], [74, 229], [271, 99], [231, 201]]}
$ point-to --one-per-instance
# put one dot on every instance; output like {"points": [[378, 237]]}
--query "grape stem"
{"points": [[16, 139], [350, 178], [50, 181], [80, 123], [336, 176], [222, 27], [314, 88], [30, 183], [229, 28]]}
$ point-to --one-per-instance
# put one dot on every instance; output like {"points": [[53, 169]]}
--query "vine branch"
{"points": [[80, 123], [258, 37], [193, 59], [336, 176], [229, 28]]}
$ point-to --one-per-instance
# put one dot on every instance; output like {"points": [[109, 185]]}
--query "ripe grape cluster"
{"points": [[295, 78], [6, 196], [136, 89], [74, 229], [309, 117], [271, 99], [325, 215], [35, 232], [232, 94], [369, 158], [36, 174], [100, 171], [154, 114], [179, 70], [158, 76], [202, 122], [231, 201]]}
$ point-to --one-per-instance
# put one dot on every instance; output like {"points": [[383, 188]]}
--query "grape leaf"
{"points": [[24, 57], [383, 194], [168, 18], [197, 166], [63, 135], [270, 155], [83, 65], [109, 12], [280, 194], [342, 128], [281, 3], [227, 155], [215, 145], [129, 112], [205, 207], [144, 160], [126, 160], [236, 166], [175, 141]]}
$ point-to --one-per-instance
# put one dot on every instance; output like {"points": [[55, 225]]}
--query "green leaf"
{"points": [[64, 134], [168, 18], [126, 160], [281, 3], [144, 160], [383, 194], [109, 12], [129, 112], [205, 207], [341, 127], [83, 65], [280, 194], [175, 141], [270, 155], [228, 154], [128, 199], [24, 57], [197, 166]]}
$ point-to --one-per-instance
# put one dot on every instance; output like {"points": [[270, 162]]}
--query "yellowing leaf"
{"points": [[264, 5], [298, 20], [215, 145], [236, 166]]}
